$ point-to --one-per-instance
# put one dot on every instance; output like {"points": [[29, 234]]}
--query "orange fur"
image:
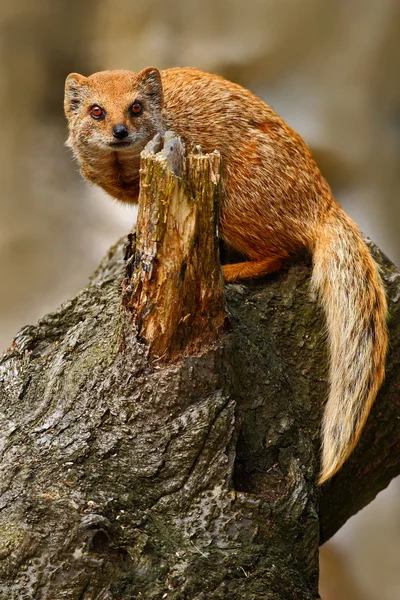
{"points": [[251, 269], [276, 204]]}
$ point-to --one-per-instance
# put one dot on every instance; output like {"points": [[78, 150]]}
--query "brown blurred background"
{"points": [[329, 67]]}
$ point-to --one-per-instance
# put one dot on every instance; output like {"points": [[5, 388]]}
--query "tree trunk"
{"points": [[125, 476]]}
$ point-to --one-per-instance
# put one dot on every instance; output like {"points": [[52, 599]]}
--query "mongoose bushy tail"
{"points": [[350, 289]]}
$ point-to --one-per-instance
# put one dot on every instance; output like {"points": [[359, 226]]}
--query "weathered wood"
{"points": [[176, 283]]}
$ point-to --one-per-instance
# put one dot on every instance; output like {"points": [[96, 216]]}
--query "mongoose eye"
{"points": [[136, 109], [97, 112]]}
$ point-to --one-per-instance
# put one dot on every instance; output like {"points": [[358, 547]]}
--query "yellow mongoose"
{"points": [[277, 203]]}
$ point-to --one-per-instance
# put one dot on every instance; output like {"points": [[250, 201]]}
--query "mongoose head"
{"points": [[113, 111]]}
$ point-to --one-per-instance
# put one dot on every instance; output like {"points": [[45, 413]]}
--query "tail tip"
{"points": [[329, 470]]}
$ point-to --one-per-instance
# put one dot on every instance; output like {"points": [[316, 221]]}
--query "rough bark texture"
{"points": [[122, 478]]}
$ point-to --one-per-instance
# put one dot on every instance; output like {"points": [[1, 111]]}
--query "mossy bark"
{"points": [[122, 477]]}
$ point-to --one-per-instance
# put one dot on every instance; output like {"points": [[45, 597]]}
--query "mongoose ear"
{"points": [[150, 81], [75, 87]]}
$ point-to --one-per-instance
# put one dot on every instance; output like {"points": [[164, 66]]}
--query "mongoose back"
{"points": [[276, 204]]}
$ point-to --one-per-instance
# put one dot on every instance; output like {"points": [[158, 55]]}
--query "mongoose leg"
{"points": [[251, 269]]}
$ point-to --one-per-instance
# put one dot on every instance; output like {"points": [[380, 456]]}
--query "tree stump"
{"points": [[138, 468], [176, 283]]}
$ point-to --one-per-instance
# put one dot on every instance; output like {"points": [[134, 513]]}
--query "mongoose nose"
{"points": [[120, 132]]}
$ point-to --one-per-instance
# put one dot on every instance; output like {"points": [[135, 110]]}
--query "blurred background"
{"points": [[329, 67]]}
